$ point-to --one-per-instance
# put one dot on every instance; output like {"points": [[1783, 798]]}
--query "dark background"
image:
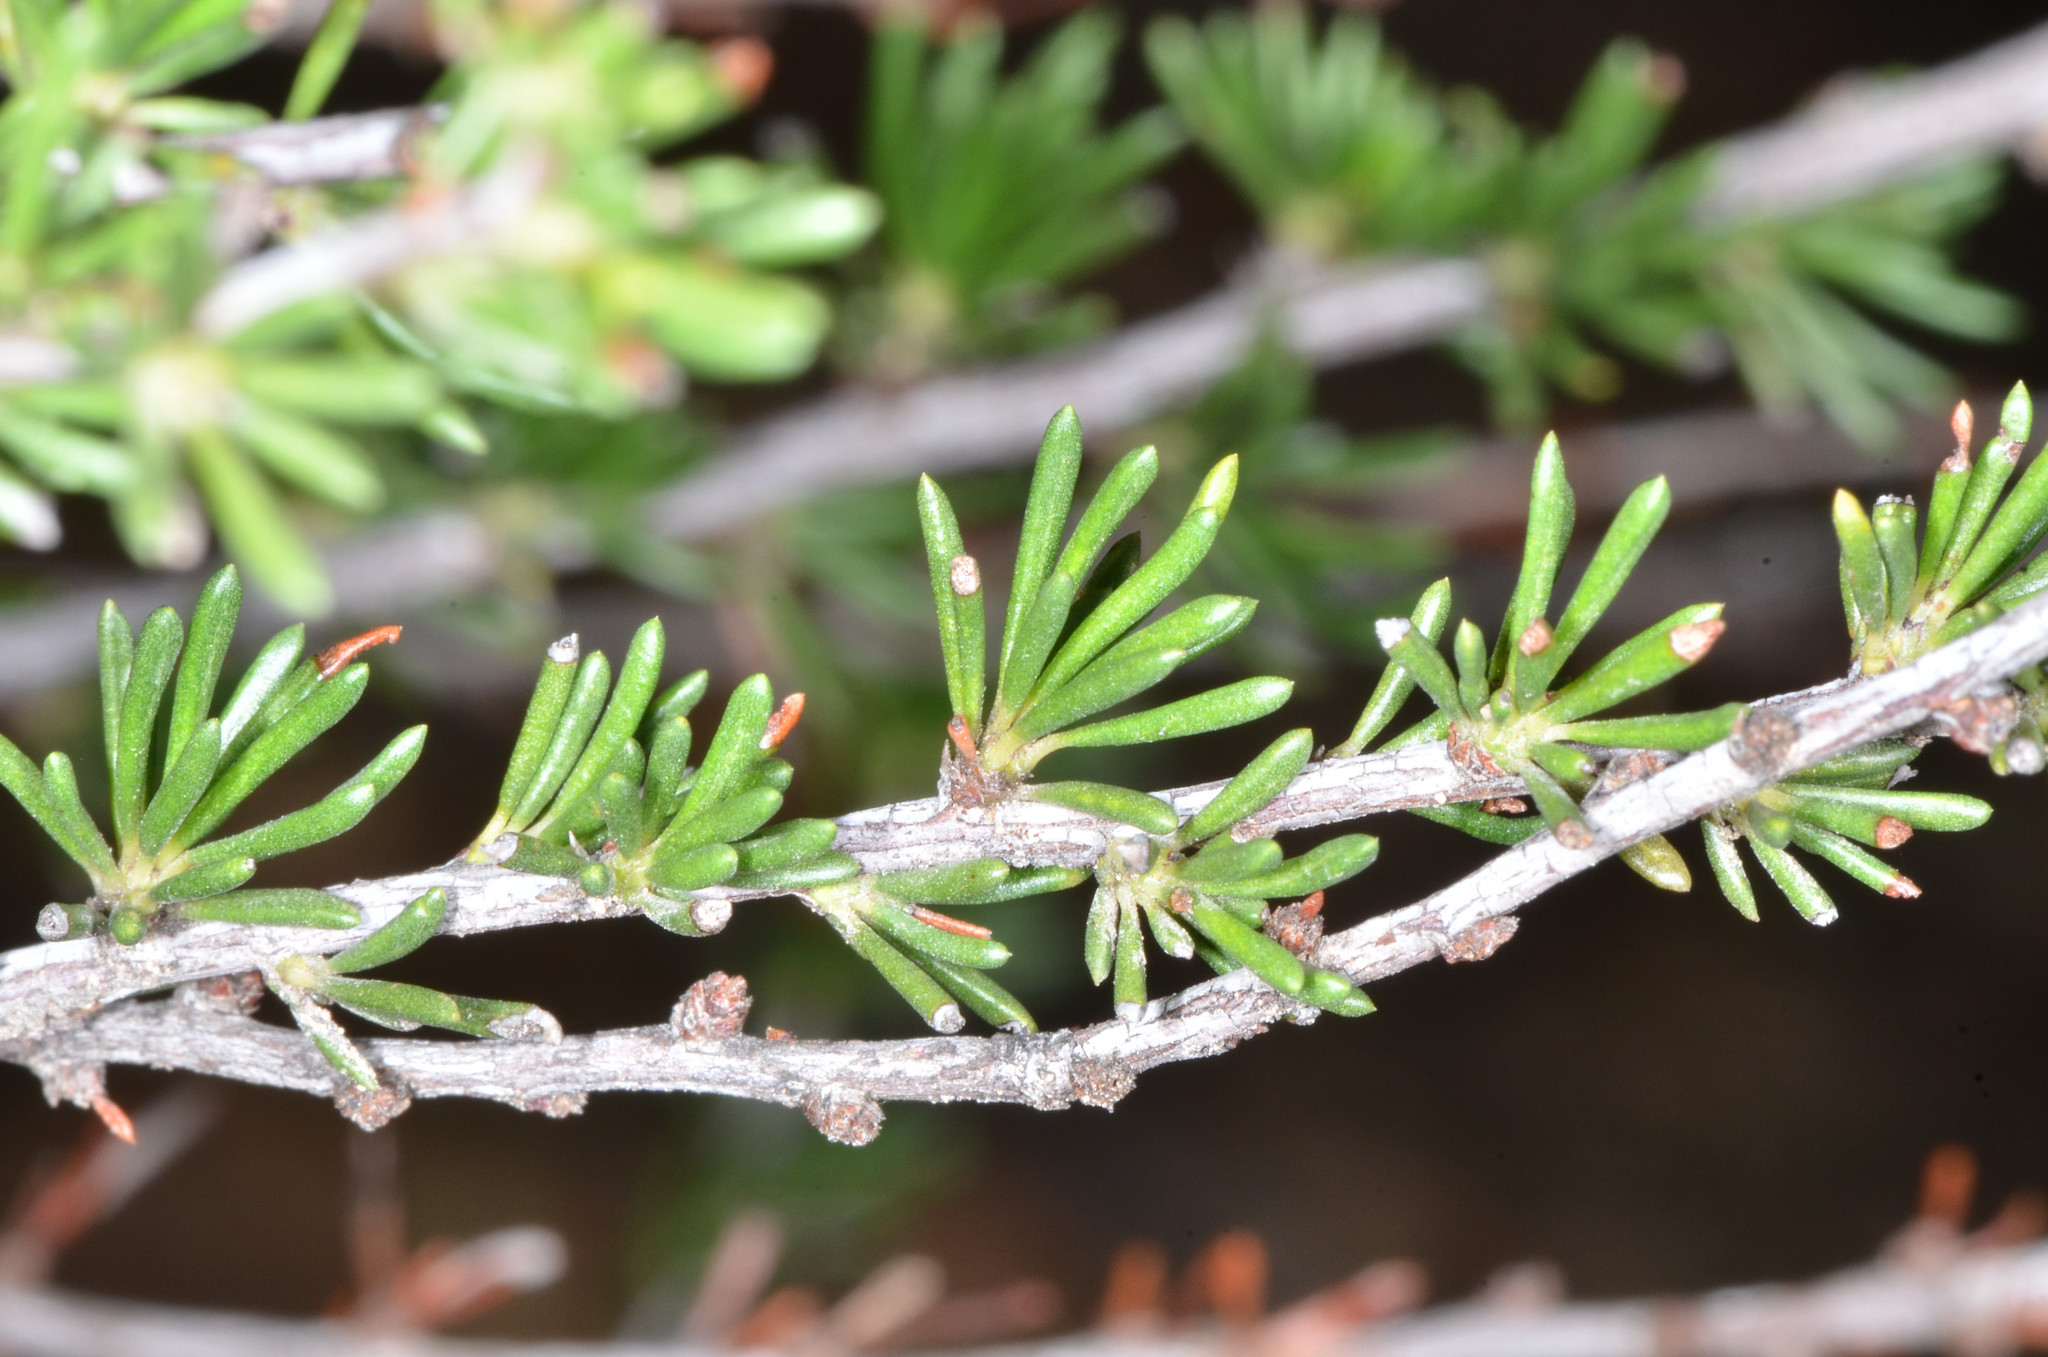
{"points": [[1642, 1088]]}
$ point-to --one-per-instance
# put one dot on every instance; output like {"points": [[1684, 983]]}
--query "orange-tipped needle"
{"points": [[336, 657]]}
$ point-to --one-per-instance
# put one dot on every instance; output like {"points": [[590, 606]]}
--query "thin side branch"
{"points": [[840, 1085]]}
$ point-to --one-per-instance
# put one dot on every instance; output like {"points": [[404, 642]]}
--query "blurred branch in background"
{"points": [[1935, 1286]]}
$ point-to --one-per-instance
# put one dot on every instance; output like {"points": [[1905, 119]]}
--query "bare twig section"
{"points": [[1960, 1298], [842, 1084]]}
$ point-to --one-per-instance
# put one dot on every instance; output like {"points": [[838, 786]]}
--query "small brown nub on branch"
{"points": [[1574, 835], [1181, 901], [1480, 941], [1892, 832], [949, 923], [845, 1115], [1311, 905], [712, 1009], [113, 1118], [1535, 638], [1504, 805], [1903, 888], [1692, 641], [777, 1034], [783, 721], [963, 739], [1947, 1184], [1298, 927], [1960, 424], [965, 576], [336, 657]]}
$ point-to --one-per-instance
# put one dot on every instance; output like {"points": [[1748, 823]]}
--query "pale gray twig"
{"points": [[841, 1084]]}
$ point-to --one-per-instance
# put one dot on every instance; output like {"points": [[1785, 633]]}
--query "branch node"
{"points": [[1480, 940], [842, 1114], [1103, 1082], [372, 1108], [1762, 741], [238, 994], [714, 1008]]}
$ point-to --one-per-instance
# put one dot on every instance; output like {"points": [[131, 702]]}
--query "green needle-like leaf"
{"points": [[1627, 538], [918, 989], [24, 781], [1813, 903], [991, 1002], [1488, 828], [1231, 705], [1173, 940], [1255, 785], [639, 671], [1726, 860], [1098, 946], [1844, 809], [1680, 730], [1222, 860], [1121, 804], [1045, 518], [1422, 662], [183, 785], [1863, 579], [1987, 481], [2019, 523], [1866, 867], [156, 653], [1651, 657], [206, 650], [735, 747], [331, 701], [957, 601], [1896, 523], [1551, 510], [404, 933], [1252, 949], [904, 928], [571, 735], [786, 844], [1432, 611], [289, 907], [1137, 596], [69, 824], [325, 55], [955, 883], [332, 815], [1127, 988], [1119, 562], [823, 870], [726, 822], [199, 882], [668, 759], [1321, 867], [1469, 649], [117, 653], [273, 663], [543, 716], [1038, 629], [695, 869], [1332, 993]]}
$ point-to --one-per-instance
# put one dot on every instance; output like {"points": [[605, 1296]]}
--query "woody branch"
{"points": [[841, 1084]]}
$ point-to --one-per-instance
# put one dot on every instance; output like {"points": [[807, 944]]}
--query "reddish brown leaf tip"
{"points": [[949, 923], [745, 65], [337, 657], [1892, 832], [1535, 638], [113, 1118], [1692, 641], [783, 721]]}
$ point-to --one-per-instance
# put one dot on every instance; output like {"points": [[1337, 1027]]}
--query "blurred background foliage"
{"points": [[619, 247]]}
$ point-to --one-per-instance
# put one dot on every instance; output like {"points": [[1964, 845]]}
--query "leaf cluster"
{"points": [[1342, 149], [176, 773]]}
